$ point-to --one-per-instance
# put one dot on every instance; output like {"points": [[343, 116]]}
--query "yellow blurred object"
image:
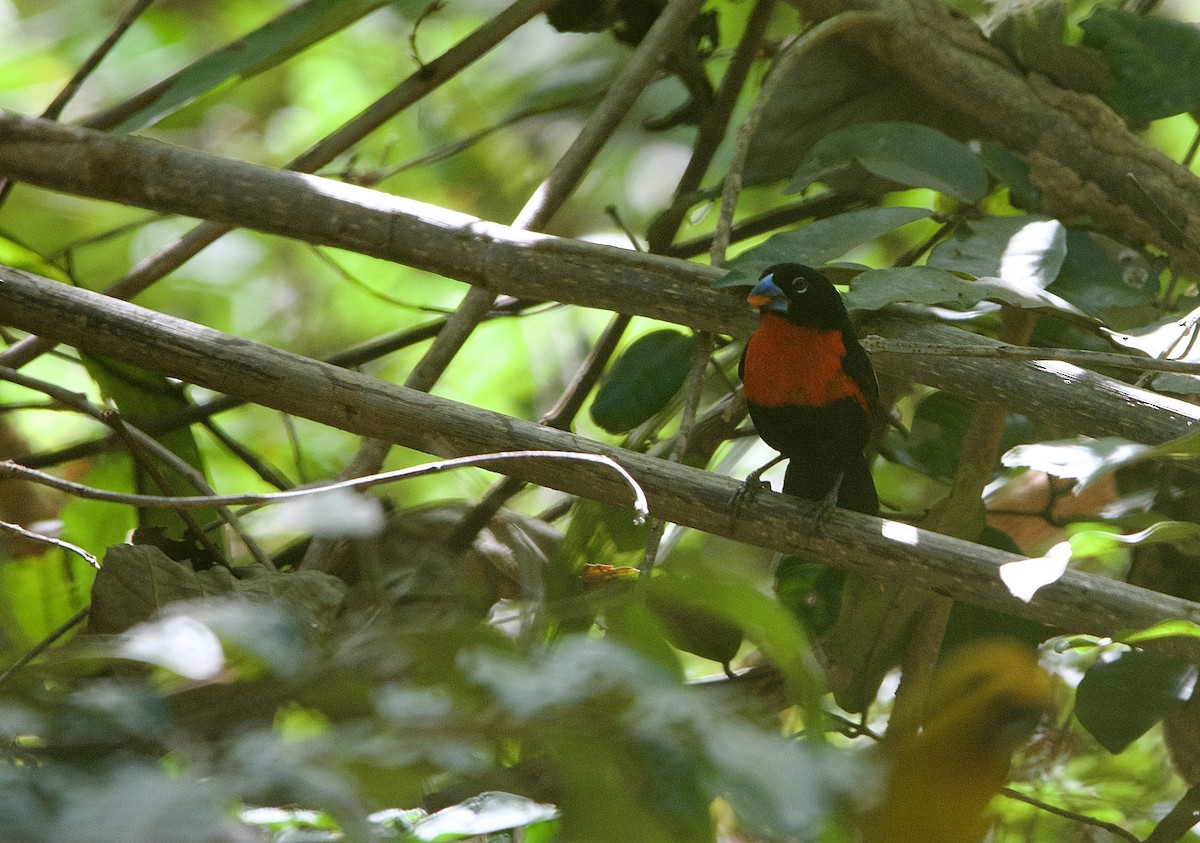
{"points": [[984, 704]]}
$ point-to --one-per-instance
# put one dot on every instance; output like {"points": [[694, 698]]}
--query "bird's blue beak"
{"points": [[767, 296]]}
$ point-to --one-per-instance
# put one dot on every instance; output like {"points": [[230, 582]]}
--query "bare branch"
{"points": [[361, 404], [10, 470]]}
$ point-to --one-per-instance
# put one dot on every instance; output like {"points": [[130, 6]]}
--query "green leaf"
{"points": [[1124, 694], [598, 534], [1025, 577], [735, 601], [271, 44], [1183, 535], [1155, 62], [907, 153], [812, 592], [833, 85], [819, 242], [20, 256], [878, 288], [1024, 250], [1166, 629], [643, 380]]}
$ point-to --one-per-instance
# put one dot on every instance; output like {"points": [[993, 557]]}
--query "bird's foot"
{"points": [[826, 506], [752, 485]]}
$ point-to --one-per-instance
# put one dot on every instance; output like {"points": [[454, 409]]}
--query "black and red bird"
{"points": [[810, 388]]}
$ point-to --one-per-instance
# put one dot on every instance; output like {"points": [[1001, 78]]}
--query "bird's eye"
{"points": [[800, 285]]}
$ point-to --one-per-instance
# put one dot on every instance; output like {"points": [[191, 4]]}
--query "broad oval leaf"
{"points": [[1124, 694], [907, 153], [643, 379]]}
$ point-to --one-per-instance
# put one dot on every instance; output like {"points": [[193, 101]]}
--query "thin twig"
{"points": [[10, 470], [45, 643], [712, 129], [50, 540], [1083, 819]]}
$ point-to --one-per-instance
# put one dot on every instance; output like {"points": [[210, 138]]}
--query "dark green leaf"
{"points": [[643, 380], [1125, 693], [1099, 274], [812, 592], [143, 801], [907, 153], [1155, 62], [735, 602], [1035, 35], [819, 242], [691, 626], [135, 582]]}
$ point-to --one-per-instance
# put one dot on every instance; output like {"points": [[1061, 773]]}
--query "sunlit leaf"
{"points": [[1184, 535], [180, 644], [907, 153], [338, 513], [1173, 337], [1166, 629], [1025, 577], [483, 814], [878, 288], [1026, 251], [1076, 459]]}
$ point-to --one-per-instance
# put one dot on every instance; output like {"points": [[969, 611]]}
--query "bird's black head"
{"points": [[801, 294]]}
